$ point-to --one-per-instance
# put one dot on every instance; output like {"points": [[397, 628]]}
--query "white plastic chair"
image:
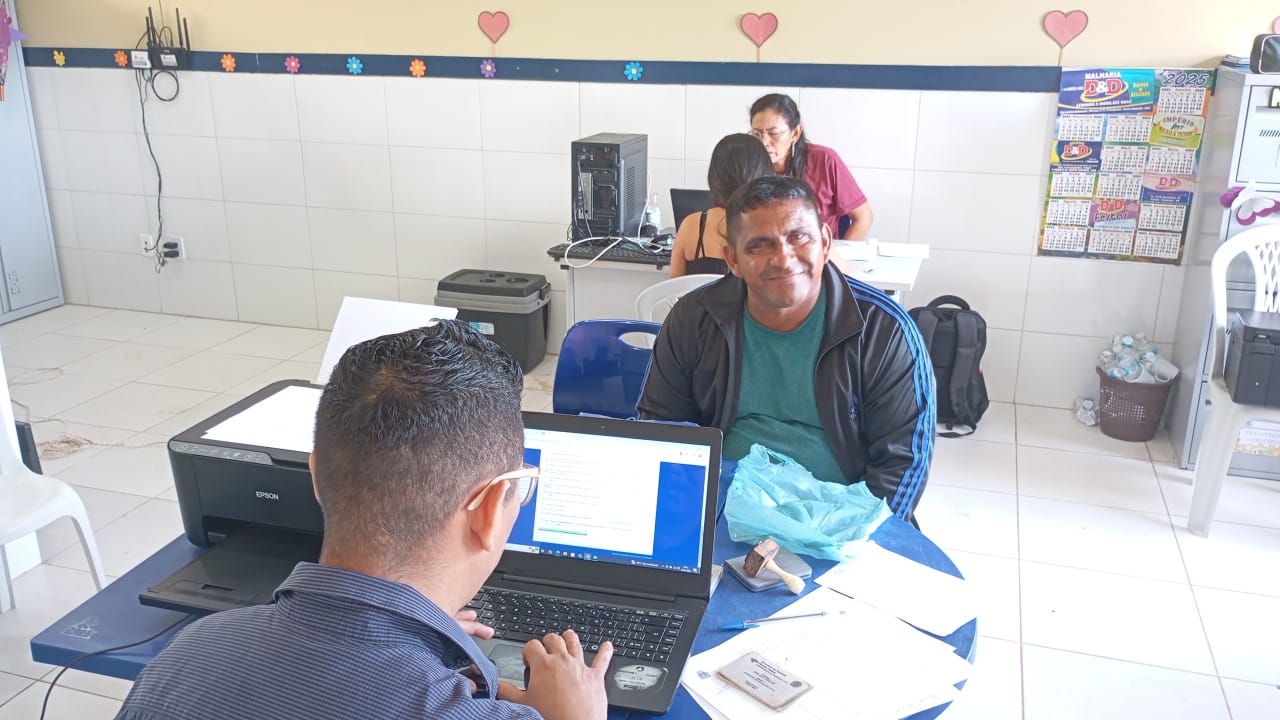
{"points": [[29, 501], [654, 302], [1262, 245]]}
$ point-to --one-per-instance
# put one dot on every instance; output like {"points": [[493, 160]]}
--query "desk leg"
{"points": [[570, 310]]}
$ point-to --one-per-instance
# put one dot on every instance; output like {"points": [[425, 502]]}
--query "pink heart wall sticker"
{"points": [[759, 27], [493, 25], [1065, 27], [1275, 26]]}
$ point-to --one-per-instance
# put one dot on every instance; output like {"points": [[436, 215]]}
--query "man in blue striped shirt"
{"points": [[416, 438]]}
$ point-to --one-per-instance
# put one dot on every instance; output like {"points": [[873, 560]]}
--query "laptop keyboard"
{"points": [[635, 632]]}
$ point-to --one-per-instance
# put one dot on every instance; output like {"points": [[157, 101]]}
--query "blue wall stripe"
{"points": [[890, 77]]}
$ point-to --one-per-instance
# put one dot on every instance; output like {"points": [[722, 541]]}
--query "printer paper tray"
{"points": [[243, 570]]}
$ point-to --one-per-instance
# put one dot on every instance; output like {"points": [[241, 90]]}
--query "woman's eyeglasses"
{"points": [[524, 480], [773, 135]]}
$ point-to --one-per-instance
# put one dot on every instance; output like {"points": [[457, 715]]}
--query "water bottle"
{"points": [[653, 212], [1141, 344]]}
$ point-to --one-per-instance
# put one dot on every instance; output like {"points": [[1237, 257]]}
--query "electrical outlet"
{"points": [[148, 243], [174, 242]]}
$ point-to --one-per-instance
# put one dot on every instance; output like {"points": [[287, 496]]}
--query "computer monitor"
{"points": [[686, 202]]}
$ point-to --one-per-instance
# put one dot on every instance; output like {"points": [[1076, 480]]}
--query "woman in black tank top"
{"points": [[737, 160], [701, 264]]}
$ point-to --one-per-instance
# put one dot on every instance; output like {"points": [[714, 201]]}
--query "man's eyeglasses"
{"points": [[774, 135], [524, 480]]}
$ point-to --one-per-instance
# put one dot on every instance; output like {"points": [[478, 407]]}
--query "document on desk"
{"points": [[285, 420], [863, 664], [929, 599], [904, 250]]}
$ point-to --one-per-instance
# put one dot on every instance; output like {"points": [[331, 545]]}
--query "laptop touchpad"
{"points": [[509, 659]]}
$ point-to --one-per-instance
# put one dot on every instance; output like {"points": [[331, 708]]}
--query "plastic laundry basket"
{"points": [[1130, 411]]}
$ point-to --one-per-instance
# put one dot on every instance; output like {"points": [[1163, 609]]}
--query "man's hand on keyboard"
{"points": [[561, 686], [467, 620]]}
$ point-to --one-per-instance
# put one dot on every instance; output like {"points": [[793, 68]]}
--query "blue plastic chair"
{"points": [[598, 372]]}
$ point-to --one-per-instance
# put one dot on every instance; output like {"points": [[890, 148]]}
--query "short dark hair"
{"points": [[736, 160], [766, 191], [787, 108], [407, 425]]}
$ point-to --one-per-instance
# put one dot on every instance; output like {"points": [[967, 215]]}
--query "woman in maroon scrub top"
{"points": [[775, 121]]}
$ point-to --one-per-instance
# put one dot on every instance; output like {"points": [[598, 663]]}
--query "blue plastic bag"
{"points": [[775, 496]]}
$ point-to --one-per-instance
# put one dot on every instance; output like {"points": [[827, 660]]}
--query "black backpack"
{"points": [[955, 339]]}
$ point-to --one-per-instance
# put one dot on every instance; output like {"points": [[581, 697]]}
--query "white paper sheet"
{"points": [[863, 664], [285, 420], [907, 250], [361, 319], [929, 599]]}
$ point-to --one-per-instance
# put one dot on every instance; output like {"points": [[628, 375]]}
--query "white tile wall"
{"points": [[350, 177], [188, 165], [1096, 298], [889, 193], [260, 107], [432, 246], [655, 110], [118, 280], [267, 171], [332, 287], [197, 287], [202, 225], [438, 181], [433, 112], [276, 295], [337, 109], [44, 103], [190, 113], [268, 234], [110, 222], [713, 111], [974, 211], [994, 284], [353, 241], [102, 161], [100, 100], [984, 132], [869, 128], [532, 117], [291, 191], [527, 187]]}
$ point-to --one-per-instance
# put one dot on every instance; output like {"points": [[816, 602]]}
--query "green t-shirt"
{"points": [[777, 406]]}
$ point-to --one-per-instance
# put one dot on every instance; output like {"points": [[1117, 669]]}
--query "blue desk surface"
{"points": [[115, 617]]}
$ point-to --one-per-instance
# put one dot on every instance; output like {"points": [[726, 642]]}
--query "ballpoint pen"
{"points": [[744, 624]]}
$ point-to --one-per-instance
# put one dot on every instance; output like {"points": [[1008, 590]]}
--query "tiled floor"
{"points": [[1096, 602]]}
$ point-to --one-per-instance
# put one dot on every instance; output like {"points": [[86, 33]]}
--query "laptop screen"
{"points": [[622, 500]]}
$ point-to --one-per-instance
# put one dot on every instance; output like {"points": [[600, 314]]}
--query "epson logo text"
{"points": [[264, 495]]}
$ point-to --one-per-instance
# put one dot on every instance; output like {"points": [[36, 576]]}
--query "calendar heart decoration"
{"points": [[493, 25], [1065, 27], [759, 27]]}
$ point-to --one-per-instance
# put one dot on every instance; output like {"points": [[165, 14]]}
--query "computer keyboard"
{"points": [[622, 252], [635, 632]]}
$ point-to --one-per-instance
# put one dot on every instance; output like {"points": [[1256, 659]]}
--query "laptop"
{"points": [[687, 202], [616, 543]]}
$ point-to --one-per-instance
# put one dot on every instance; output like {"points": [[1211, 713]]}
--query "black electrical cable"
{"points": [[45, 706]]}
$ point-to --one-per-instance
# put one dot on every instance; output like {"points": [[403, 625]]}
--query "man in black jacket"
{"points": [[789, 353]]}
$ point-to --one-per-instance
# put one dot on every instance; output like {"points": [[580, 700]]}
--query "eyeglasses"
{"points": [[774, 135], [524, 480]]}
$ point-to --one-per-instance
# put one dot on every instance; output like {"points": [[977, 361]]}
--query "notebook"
{"points": [[616, 543]]}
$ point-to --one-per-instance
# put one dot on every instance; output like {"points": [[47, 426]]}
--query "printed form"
{"points": [[863, 664]]}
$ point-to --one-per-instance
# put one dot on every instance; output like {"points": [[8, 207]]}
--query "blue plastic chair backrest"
{"points": [[598, 372]]}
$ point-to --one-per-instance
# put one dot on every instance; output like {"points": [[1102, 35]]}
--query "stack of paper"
{"points": [[863, 664], [929, 599]]}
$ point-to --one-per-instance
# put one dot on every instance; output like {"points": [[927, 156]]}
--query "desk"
{"points": [[115, 617], [607, 289]]}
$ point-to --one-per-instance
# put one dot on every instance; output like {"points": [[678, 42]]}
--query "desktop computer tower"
{"points": [[608, 181]]}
